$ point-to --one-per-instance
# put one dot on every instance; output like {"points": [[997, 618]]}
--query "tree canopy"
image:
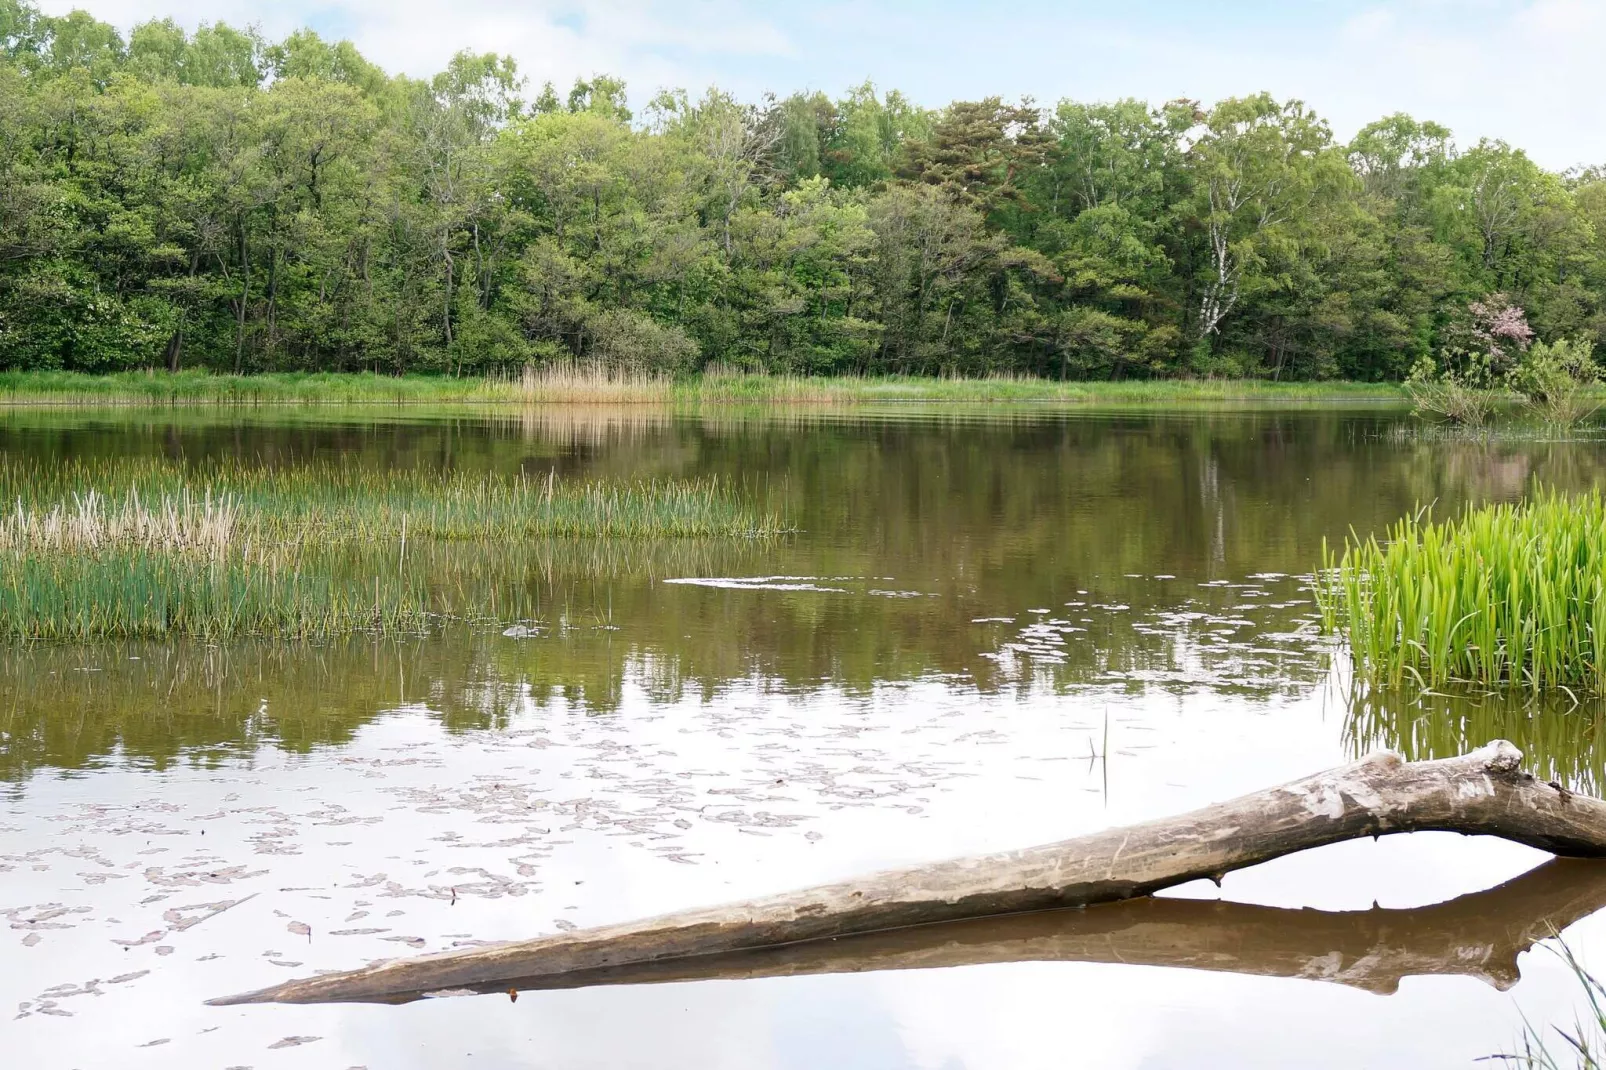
{"points": [[211, 198]]}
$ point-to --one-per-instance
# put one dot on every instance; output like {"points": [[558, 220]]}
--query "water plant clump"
{"points": [[1491, 358], [158, 504], [141, 593], [1510, 594], [130, 548]]}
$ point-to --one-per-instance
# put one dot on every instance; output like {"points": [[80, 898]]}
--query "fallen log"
{"points": [[1479, 935], [1480, 793]]}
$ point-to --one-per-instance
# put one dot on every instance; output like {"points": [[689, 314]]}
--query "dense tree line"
{"points": [[214, 199]]}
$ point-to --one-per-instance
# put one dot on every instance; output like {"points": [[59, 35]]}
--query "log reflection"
{"points": [[1477, 935]]}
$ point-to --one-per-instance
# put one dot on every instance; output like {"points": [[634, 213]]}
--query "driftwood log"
{"points": [[1484, 792], [1477, 935]]}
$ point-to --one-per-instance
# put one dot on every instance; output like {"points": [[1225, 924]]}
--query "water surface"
{"points": [[993, 627]]}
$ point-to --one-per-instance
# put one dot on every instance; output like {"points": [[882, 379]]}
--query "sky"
{"points": [[1528, 71]]}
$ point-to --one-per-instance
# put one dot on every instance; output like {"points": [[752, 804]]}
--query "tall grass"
{"points": [[152, 502], [1503, 594], [592, 384], [126, 548], [566, 383], [291, 593], [272, 388], [723, 385]]}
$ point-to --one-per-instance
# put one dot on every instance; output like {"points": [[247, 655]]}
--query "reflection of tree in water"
{"points": [[1254, 638], [944, 531], [1563, 741], [608, 628]]}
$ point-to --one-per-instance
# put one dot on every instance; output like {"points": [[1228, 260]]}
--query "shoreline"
{"points": [[332, 389]]}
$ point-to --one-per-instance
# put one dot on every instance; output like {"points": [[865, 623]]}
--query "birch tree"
{"points": [[1259, 167]]}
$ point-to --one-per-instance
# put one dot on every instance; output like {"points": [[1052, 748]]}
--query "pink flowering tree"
{"points": [[1480, 354], [1499, 334]]}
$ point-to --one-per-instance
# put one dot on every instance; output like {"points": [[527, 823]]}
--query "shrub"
{"points": [[1553, 380], [620, 338], [1462, 381], [1444, 390]]}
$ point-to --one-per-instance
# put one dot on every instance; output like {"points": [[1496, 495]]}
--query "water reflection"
{"points": [[584, 640], [1563, 737], [1013, 625], [1014, 550], [1478, 935]]}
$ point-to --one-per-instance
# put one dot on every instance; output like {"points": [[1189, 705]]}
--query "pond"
{"points": [[991, 628]]}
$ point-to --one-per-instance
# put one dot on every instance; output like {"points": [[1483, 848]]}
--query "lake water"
{"points": [[992, 628]]}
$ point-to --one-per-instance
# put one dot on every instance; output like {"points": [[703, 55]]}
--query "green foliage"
{"points": [[125, 549], [561, 381], [1505, 594], [214, 199], [1554, 379], [330, 504], [1449, 392]]}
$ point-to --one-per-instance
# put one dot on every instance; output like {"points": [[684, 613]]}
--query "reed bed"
{"points": [[591, 384], [90, 522], [1510, 594], [158, 504], [140, 548], [128, 594], [585, 383]]}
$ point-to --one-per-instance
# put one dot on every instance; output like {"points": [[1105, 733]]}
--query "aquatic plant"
{"points": [[141, 593], [1445, 395], [130, 548], [1505, 594], [1583, 1046], [1555, 380], [156, 503]]}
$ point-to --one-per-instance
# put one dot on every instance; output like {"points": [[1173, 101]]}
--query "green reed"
{"points": [[332, 503], [142, 548], [1562, 740], [1579, 1046], [142, 593], [1504, 594]]}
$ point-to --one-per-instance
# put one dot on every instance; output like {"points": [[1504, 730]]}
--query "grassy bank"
{"points": [[599, 386], [149, 548], [1502, 595]]}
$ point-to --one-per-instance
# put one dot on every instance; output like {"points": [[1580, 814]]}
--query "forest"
{"points": [[212, 199]]}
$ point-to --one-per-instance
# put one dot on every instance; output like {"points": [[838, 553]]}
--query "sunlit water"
{"points": [[992, 629]]}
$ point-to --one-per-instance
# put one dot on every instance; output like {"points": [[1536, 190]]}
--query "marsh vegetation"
{"points": [[126, 548], [1508, 594], [571, 383]]}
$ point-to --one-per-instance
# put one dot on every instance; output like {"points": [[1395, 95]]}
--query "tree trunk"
{"points": [[273, 302], [245, 298], [1483, 792], [172, 355]]}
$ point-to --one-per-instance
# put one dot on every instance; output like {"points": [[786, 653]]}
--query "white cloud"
{"points": [[651, 43], [1527, 71]]}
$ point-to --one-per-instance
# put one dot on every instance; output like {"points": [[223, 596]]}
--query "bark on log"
{"points": [[1477, 935], [1481, 793]]}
